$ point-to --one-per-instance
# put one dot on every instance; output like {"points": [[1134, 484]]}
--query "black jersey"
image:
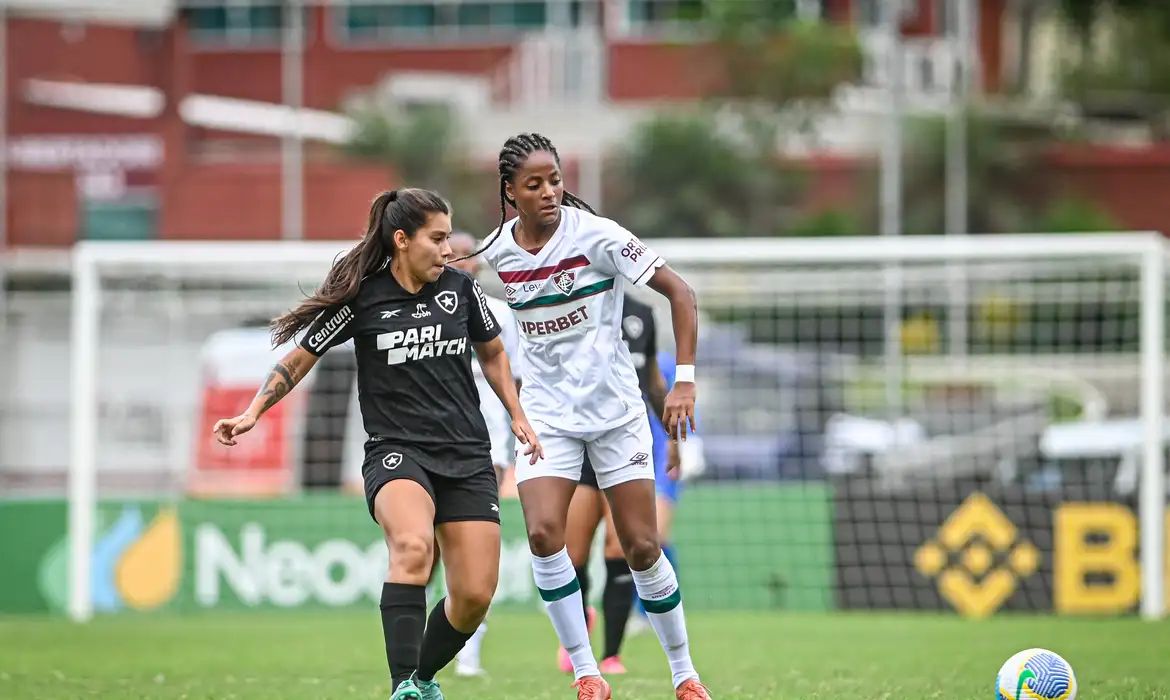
{"points": [[641, 336], [415, 384]]}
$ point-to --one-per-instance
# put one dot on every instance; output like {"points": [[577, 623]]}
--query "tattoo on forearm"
{"points": [[280, 381]]}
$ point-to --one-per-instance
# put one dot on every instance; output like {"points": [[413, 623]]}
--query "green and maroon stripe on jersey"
{"points": [[559, 298], [543, 273]]}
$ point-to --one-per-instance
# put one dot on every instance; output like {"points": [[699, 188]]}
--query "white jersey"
{"points": [[503, 314], [577, 373], [499, 423]]}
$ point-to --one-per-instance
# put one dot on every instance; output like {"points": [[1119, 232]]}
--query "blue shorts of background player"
{"points": [[665, 486], [668, 489]]}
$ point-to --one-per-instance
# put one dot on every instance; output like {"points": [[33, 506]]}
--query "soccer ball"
{"points": [[1036, 674]]}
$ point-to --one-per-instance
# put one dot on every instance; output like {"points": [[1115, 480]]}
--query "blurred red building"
{"points": [[149, 162]]}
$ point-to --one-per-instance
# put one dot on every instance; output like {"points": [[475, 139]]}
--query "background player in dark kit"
{"points": [[589, 509], [428, 471]]}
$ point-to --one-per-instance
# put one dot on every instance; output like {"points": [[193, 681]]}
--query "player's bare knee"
{"points": [[545, 537], [643, 551], [470, 605], [411, 557]]}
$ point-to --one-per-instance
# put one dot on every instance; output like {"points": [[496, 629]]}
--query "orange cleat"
{"points": [[692, 690], [593, 688]]}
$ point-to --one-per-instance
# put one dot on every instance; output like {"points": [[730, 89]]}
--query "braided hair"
{"points": [[515, 151]]}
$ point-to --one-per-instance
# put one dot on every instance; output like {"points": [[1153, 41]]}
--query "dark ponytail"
{"points": [[512, 156], [393, 210]]}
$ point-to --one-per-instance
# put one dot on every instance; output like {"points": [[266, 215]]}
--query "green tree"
{"points": [[1077, 215], [1129, 76], [777, 73], [776, 67], [422, 147], [683, 178], [717, 172], [1085, 16], [830, 222], [1005, 184], [1008, 190]]}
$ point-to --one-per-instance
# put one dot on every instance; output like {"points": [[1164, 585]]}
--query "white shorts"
{"points": [[618, 455]]}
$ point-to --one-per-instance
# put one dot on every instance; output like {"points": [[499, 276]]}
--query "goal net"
{"points": [[962, 424]]}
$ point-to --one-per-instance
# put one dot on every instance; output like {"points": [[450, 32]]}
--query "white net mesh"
{"points": [[835, 475]]}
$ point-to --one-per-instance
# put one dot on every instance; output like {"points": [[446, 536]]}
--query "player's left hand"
{"points": [[526, 435], [680, 410], [673, 461], [226, 430]]}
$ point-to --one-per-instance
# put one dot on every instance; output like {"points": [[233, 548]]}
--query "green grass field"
{"points": [[324, 656]]}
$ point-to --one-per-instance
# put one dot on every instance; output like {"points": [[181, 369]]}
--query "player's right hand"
{"points": [[226, 429], [527, 436], [680, 410]]}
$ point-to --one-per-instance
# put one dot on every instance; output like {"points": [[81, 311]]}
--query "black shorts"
{"points": [[457, 499], [588, 476]]}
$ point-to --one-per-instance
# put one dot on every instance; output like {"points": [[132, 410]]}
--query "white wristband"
{"points": [[684, 373]]}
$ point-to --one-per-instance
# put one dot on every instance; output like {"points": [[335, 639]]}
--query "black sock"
{"points": [[617, 601], [583, 579], [440, 644], [404, 612]]}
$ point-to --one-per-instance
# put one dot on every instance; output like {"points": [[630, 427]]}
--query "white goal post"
{"points": [[813, 276]]}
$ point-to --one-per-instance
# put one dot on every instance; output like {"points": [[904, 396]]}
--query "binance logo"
{"points": [[977, 558]]}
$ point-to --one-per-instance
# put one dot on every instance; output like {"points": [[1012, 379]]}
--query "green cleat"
{"points": [[429, 689], [407, 690]]}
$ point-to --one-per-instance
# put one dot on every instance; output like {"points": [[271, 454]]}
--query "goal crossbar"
{"points": [[163, 256]]}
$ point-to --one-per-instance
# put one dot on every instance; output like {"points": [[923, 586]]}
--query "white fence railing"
{"points": [[553, 67]]}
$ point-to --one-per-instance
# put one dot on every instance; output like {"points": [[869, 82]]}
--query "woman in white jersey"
{"points": [[565, 271]]}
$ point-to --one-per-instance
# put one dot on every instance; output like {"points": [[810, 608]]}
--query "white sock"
{"points": [[658, 589], [561, 591], [469, 654]]}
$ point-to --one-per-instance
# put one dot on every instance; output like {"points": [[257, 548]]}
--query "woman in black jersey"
{"points": [[428, 472]]}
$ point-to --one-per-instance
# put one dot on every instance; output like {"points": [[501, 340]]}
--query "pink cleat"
{"points": [[564, 663], [612, 666]]}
